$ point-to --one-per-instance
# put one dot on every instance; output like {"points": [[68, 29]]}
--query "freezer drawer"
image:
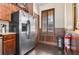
{"points": [[25, 44], [26, 47]]}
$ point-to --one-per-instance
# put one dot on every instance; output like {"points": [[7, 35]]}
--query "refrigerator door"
{"points": [[32, 31], [24, 43], [23, 40]]}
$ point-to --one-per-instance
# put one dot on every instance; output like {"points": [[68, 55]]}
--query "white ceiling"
{"points": [[41, 4]]}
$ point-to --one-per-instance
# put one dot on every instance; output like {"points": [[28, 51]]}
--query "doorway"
{"points": [[48, 25]]}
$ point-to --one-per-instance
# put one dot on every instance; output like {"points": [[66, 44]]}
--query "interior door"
{"points": [[48, 25]]}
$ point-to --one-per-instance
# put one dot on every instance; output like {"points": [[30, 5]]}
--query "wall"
{"points": [[69, 16], [35, 8], [7, 24], [77, 15], [77, 6], [59, 13]]}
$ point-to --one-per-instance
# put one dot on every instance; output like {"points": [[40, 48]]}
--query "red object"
{"points": [[67, 42], [67, 37]]}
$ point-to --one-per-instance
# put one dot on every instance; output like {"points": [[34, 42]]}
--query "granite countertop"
{"points": [[7, 33]]}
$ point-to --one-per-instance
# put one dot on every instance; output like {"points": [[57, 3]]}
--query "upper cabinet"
{"points": [[7, 8], [30, 8], [13, 8], [5, 12]]}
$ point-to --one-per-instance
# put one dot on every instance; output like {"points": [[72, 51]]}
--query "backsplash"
{"points": [[2, 24]]}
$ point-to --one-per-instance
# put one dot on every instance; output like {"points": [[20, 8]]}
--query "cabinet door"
{"points": [[9, 47], [5, 12], [13, 7], [30, 8]]}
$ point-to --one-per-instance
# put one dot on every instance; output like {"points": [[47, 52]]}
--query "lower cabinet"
{"points": [[9, 45]]}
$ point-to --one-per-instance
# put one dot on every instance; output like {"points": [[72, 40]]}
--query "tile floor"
{"points": [[43, 49]]}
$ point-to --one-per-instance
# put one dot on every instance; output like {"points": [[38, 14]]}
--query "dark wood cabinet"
{"points": [[9, 47]]}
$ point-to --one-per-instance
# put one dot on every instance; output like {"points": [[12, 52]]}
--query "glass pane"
{"points": [[50, 22], [44, 23]]}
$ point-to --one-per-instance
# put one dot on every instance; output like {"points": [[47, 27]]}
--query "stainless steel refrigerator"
{"points": [[24, 25]]}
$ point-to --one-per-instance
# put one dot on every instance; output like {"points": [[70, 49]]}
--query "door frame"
{"points": [[47, 18]]}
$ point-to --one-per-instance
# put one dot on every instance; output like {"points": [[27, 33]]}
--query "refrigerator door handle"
{"points": [[28, 29]]}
